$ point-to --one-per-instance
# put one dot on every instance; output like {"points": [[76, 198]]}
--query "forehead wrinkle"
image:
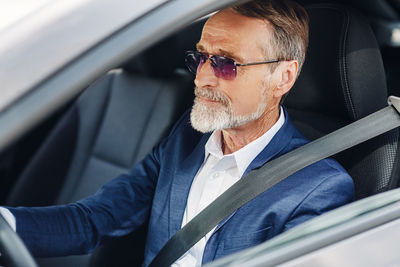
{"points": [[215, 40], [217, 30], [219, 36]]}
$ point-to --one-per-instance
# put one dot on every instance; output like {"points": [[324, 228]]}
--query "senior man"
{"points": [[246, 61]]}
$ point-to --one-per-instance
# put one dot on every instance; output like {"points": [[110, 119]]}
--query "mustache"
{"points": [[212, 94]]}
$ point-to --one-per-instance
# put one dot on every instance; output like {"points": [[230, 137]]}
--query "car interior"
{"points": [[349, 72]]}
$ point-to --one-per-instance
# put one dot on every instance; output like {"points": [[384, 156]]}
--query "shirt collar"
{"points": [[246, 154]]}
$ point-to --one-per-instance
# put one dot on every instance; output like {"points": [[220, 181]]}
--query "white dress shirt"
{"points": [[217, 173]]}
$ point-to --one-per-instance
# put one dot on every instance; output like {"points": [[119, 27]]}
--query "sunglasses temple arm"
{"points": [[257, 63]]}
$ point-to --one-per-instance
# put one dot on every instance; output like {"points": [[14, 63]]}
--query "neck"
{"points": [[236, 138]]}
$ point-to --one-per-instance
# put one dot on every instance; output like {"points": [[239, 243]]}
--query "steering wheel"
{"points": [[13, 250]]}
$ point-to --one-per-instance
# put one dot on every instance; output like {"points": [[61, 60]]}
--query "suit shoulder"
{"points": [[182, 139]]}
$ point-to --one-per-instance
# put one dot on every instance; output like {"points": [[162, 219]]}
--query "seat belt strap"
{"points": [[273, 172]]}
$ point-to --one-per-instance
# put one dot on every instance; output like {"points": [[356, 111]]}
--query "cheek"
{"points": [[245, 96]]}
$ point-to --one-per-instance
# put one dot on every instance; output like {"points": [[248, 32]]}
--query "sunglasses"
{"points": [[223, 67]]}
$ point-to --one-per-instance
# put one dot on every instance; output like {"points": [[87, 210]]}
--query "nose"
{"points": [[205, 76]]}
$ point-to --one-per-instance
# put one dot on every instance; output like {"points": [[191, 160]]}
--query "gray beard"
{"points": [[219, 116]]}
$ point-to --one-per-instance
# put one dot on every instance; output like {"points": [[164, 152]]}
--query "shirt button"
{"points": [[216, 175]]}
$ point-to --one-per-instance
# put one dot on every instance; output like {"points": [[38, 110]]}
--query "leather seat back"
{"points": [[343, 80]]}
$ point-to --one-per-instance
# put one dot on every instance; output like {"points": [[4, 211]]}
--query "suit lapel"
{"points": [[182, 181], [275, 148]]}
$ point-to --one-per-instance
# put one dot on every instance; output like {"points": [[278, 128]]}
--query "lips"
{"points": [[211, 96], [206, 99]]}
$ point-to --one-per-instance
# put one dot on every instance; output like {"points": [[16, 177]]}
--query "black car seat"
{"points": [[343, 80], [109, 128]]}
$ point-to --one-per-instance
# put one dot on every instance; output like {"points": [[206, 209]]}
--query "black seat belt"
{"points": [[274, 171]]}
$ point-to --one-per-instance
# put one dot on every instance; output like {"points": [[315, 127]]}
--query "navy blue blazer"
{"points": [[155, 193]]}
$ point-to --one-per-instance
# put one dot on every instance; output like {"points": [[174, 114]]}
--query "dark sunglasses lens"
{"points": [[224, 68], [193, 59]]}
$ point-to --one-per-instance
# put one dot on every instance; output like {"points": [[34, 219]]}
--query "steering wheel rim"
{"points": [[13, 250]]}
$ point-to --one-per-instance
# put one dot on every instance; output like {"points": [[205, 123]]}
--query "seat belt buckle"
{"points": [[395, 102]]}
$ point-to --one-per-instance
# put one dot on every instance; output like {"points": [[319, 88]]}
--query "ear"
{"points": [[288, 74]]}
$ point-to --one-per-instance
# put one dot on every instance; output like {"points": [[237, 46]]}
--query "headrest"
{"points": [[343, 75], [166, 56], [191, 35]]}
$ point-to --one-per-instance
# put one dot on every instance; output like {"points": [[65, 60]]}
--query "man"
{"points": [[248, 58]]}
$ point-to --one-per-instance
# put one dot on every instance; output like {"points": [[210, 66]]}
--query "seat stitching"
{"points": [[144, 128], [342, 59], [344, 68], [111, 84]]}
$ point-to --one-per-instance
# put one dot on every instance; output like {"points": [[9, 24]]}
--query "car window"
{"points": [[42, 38]]}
